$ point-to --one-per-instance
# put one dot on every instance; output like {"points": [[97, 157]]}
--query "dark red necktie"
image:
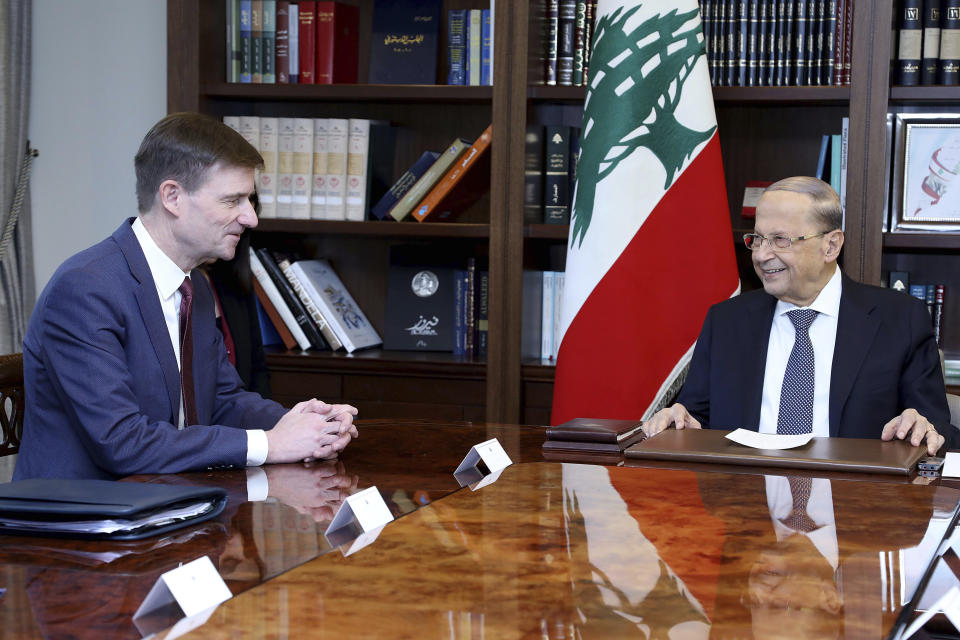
{"points": [[186, 353]]}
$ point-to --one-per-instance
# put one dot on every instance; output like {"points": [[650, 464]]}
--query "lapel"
{"points": [[753, 359], [149, 303], [856, 329]]}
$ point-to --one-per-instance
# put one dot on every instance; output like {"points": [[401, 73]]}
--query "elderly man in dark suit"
{"points": [[813, 351], [124, 369]]}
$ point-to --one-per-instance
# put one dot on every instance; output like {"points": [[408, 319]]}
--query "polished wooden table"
{"points": [[549, 550]]}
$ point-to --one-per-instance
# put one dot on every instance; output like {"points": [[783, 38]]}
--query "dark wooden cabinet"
{"points": [[766, 133]]}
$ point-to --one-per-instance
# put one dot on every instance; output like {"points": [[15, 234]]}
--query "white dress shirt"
{"points": [[819, 509], [823, 336], [168, 277]]}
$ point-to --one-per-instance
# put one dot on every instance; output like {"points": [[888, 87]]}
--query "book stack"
{"points": [[470, 47], [288, 42], [305, 304], [568, 32], [550, 172], [753, 43], [931, 294], [440, 184], [319, 168], [928, 42], [542, 305]]}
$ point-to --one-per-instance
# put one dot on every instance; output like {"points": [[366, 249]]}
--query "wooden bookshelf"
{"points": [[766, 133]]}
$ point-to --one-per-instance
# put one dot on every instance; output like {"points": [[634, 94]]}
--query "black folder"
{"points": [[103, 509]]}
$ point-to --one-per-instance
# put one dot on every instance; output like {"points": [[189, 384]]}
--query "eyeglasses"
{"points": [[754, 241]]}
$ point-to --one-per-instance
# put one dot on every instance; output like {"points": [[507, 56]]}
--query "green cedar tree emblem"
{"points": [[657, 57]]}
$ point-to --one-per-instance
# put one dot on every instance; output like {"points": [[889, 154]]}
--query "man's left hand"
{"points": [[913, 425]]}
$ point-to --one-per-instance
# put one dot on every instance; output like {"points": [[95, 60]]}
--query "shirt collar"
{"points": [[166, 274], [827, 301]]}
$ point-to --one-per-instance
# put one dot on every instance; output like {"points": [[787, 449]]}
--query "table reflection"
{"points": [[579, 551]]}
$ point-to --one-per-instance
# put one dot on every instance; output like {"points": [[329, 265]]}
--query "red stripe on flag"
{"points": [[648, 309]]}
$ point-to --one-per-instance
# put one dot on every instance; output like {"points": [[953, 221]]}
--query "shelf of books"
{"points": [[380, 93]]}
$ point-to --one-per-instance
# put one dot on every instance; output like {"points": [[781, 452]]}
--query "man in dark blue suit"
{"points": [[102, 354], [874, 365]]}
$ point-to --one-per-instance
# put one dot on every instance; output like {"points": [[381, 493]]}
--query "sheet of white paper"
{"points": [[951, 466], [768, 440]]}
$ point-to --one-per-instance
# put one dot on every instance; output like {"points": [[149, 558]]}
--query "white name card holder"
{"points": [[186, 596], [483, 465], [359, 521]]}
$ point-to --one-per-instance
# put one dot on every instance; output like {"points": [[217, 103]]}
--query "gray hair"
{"points": [[825, 204]]}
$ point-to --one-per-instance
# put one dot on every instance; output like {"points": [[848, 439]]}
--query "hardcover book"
{"points": [[268, 174], [302, 175], [949, 68], [266, 263], [319, 320], [246, 41], [751, 194], [565, 42], [318, 194], [233, 41], [336, 304], [553, 26], [557, 175], [404, 42], [285, 137], [466, 180], [338, 134], [283, 41], [256, 40], [428, 179], [294, 47], [420, 304], [456, 46], [486, 49], [371, 147], [474, 18], [931, 42], [336, 43], [403, 184], [307, 13], [269, 31], [264, 282], [911, 42]]}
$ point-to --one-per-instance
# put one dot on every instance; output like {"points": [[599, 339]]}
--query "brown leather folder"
{"points": [[589, 435], [825, 454]]}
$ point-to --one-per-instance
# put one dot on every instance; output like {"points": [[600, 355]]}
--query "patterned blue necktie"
{"points": [[798, 520], [796, 395]]}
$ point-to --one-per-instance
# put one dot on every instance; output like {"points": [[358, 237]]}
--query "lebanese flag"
{"points": [[650, 245]]}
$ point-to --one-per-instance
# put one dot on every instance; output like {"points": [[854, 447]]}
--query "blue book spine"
{"points": [[486, 46], [403, 184], [268, 334], [919, 291], [246, 44], [460, 313], [456, 46]]}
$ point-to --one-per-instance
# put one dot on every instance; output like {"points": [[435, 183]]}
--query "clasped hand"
{"points": [[312, 430]]}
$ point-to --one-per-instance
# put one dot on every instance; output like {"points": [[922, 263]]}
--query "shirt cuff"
{"points": [[256, 447], [258, 487]]}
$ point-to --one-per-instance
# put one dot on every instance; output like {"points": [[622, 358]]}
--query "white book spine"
{"points": [[546, 323], [475, 18], [267, 176], [358, 146], [271, 290], [285, 167], [322, 325], [302, 167], [233, 122], [318, 196], [337, 135], [325, 309]]}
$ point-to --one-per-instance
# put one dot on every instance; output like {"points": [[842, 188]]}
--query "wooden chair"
{"points": [[11, 403]]}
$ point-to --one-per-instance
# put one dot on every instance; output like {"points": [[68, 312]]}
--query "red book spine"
{"points": [[337, 43], [283, 41], [308, 32]]}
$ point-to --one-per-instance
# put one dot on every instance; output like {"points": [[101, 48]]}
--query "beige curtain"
{"points": [[16, 260]]}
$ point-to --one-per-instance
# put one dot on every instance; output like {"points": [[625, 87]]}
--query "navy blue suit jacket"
{"points": [[101, 378], [885, 360]]}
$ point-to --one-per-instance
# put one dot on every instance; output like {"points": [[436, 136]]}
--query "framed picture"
{"points": [[926, 188]]}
